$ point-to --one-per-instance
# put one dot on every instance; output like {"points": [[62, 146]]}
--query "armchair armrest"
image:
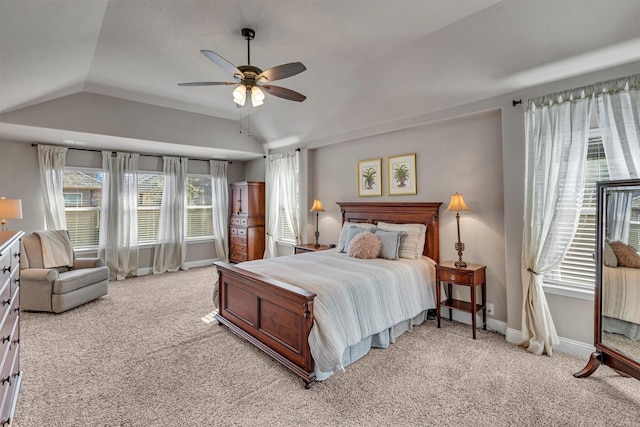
{"points": [[87, 263], [46, 275]]}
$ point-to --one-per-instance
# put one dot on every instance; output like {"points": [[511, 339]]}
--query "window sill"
{"points": [[568, 291]]}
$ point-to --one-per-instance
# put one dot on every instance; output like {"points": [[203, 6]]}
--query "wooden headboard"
{"points": [[399, 213]]}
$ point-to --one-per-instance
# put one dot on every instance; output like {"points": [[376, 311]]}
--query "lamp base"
{"points": [[461, 264]]}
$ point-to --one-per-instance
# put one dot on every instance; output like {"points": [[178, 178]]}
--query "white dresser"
{"points": [[10, 373]]}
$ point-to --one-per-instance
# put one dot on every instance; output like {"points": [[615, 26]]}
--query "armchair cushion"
{"points": [[76, 279]]}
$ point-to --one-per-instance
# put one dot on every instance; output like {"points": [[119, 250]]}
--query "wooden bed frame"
{"points": [[277, 317]]}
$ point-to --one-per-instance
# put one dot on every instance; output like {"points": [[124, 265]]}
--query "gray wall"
{"points": [[458, 155]]}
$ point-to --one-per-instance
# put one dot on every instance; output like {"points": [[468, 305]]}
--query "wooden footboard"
{"points": [[274, 316]]}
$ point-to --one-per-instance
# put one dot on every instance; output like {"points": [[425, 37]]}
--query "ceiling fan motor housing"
{"points": [[248, 34]]}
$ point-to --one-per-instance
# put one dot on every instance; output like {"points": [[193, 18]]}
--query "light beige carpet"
{"points": [[142, 356]]}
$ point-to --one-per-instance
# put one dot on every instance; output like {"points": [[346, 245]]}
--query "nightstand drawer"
{"points": [[457, 277], [238, 239]]}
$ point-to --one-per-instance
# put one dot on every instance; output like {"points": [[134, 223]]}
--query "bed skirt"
{"points": [[380, 340], [617, 326]]}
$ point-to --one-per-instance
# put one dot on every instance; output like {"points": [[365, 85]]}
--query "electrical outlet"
{"points": [[490, 311]]}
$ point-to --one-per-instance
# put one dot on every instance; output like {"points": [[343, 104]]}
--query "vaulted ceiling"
{"points": [[368, 61]]}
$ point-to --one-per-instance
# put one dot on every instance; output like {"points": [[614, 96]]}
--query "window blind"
{"points": [[149, 201], [199, 207]]}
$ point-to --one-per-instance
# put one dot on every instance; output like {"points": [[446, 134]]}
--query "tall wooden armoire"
{"points": [[246, 226]]}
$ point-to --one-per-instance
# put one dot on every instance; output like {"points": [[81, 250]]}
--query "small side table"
{"points": [[309, 247], [472, 276]]}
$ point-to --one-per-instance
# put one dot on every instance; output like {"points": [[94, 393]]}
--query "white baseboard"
{"points": [[566, 345], [191, 264]]}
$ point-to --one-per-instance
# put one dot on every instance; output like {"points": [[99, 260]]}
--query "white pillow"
{"points": [[345, 232], [410, 246]]}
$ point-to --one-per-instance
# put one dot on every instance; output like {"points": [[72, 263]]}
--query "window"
{"points": [[578, 266], [149, 201], [199, 207], [82, 191]]}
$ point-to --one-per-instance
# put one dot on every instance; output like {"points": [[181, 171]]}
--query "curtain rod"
{"points": [[33, 144], [265, 156]]}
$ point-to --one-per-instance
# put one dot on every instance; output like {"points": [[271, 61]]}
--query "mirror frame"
{"points": [[605, 355]]}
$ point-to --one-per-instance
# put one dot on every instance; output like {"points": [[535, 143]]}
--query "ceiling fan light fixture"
{"points": [[257, 96], [240, 95]]}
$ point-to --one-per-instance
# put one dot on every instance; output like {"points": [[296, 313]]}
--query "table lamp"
{"points": [[317, 207], [9, 209], [458, 205]]}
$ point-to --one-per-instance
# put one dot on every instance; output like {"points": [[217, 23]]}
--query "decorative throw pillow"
{"points": [[365, 246], [408, 243], [610, 259], [345, 232], [390, 242], [353, 232], [627, 256]]}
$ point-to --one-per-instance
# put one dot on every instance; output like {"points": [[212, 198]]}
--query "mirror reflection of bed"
{"points": [[617, 291], [621, 272]]}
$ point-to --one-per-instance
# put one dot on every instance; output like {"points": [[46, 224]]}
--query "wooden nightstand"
{"points": [[472, 276], [309, 247]]}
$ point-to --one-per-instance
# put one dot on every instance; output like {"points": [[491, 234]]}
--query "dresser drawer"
{"points": [[5, 267], [14, 252], [238, 256], [239, 221], [237, 231], [236, 247], [238, 239], [458, 277]]}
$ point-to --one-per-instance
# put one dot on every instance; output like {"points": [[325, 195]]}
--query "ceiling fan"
{"points": [[252, 80]]}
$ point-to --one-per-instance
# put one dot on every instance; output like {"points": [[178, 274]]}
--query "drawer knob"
{"points": [[452, 277], [6, 301], [16, 254], [6, 339], [16, 309], [16, 341], [6, 380], [16, 280], [5, 269]]}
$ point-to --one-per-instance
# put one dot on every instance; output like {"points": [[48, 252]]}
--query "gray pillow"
{"points": [[390, 243], [353, 232], [610, 259]]}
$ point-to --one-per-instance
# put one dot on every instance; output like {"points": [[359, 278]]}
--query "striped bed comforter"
{"points": [[621, 293], [355, 298]]}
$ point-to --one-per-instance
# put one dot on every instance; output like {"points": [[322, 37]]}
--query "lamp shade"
{"points": [[257, 96], [10, 208], [457, 204], [317, 206], [240, 95]]}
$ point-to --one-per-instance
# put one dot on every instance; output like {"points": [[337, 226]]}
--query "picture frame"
{"points": [[369, 175], [401, 172]]}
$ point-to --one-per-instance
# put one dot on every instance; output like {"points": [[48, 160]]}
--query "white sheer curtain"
{"points": [[51, 160], [281, 188], [220, 201], [557, 131], [118, 241], [619, 122], [171, 248]]}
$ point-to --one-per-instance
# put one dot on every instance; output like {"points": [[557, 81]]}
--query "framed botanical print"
{"points": [[370, 177], [402, 175]]}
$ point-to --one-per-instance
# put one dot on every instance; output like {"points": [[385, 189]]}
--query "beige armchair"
{"points": [[61, 288]]}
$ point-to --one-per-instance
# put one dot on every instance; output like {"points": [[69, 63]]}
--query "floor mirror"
{"points": [[617, 290]]}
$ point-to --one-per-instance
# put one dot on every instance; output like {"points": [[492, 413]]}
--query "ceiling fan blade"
{"points": [[226, 65], [207, 83], [284, 93], [281, 72]]}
